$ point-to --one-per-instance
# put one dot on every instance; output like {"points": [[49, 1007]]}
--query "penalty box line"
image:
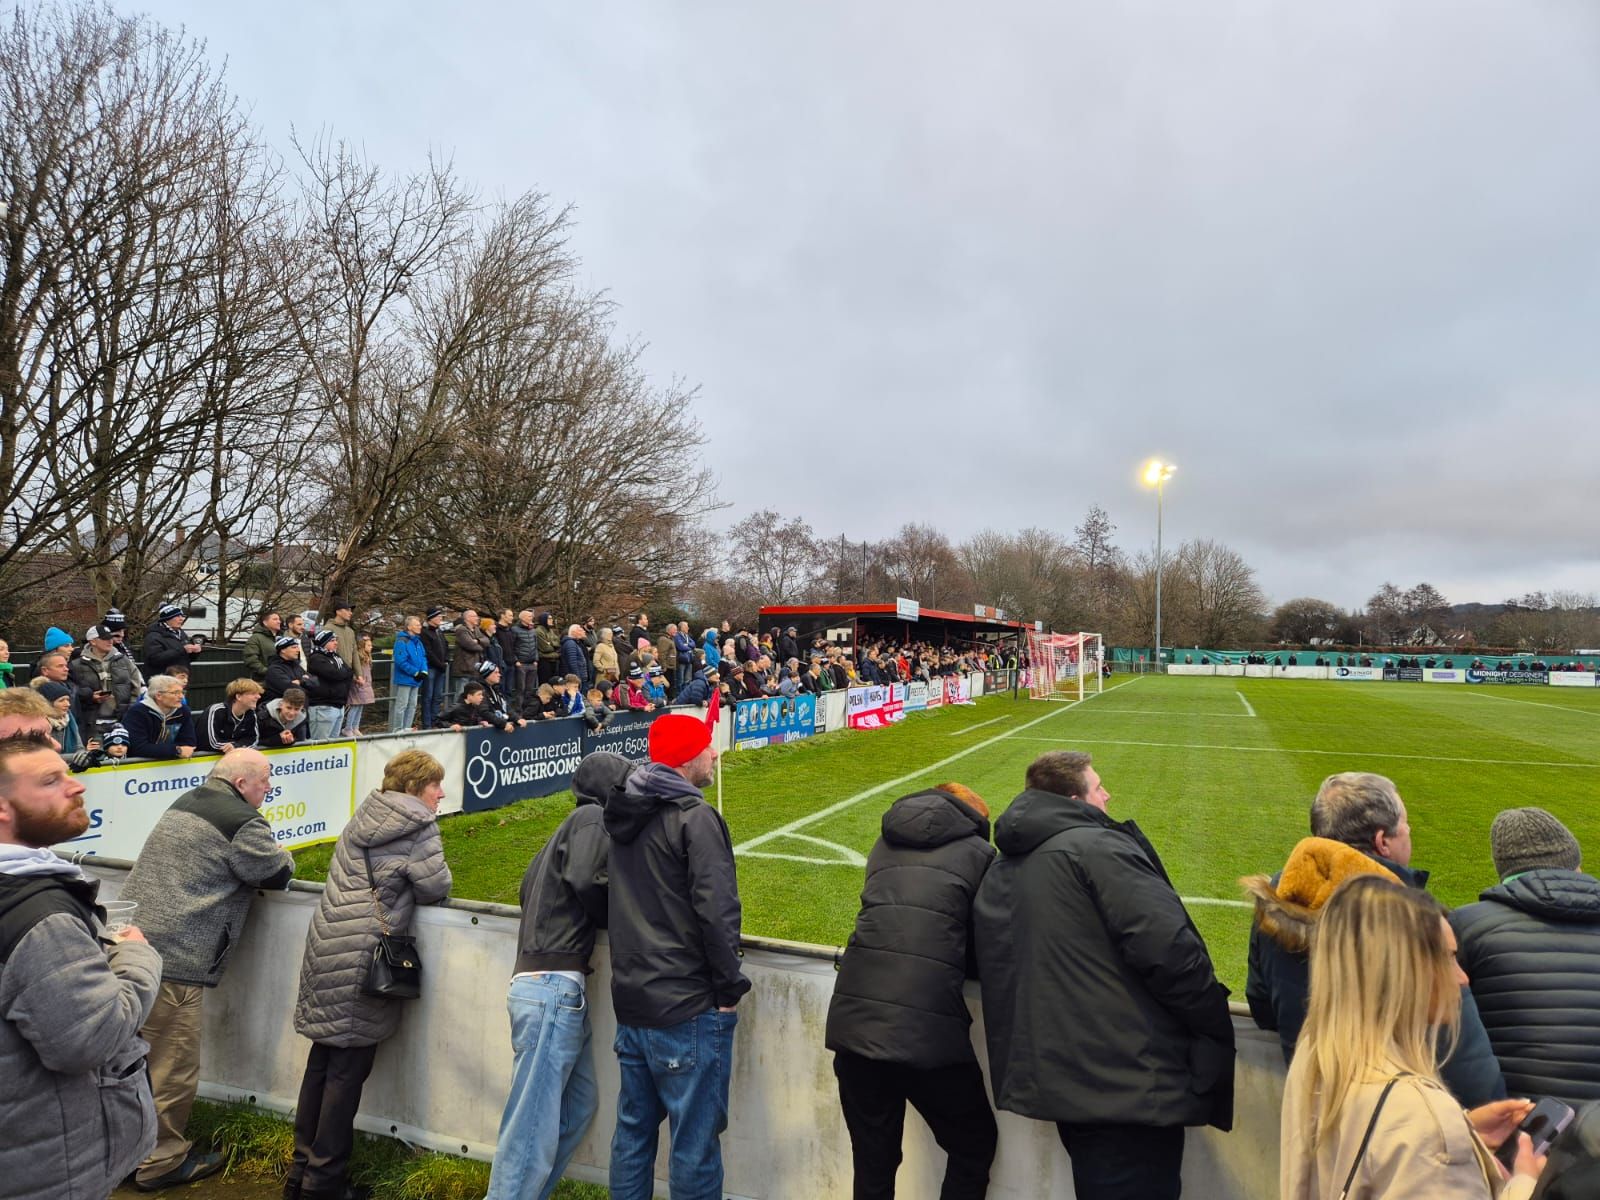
{"points": [[840, 806], [1483, 762]]}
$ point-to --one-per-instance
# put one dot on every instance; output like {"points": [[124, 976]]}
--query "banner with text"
{"points": [[536, 760], [1443, 675], [916, 695], [872, 707], [1573, 678], [957, 689], [1358, 674], [1525, 678], [312, 796], [772, 720], [627, 734]]}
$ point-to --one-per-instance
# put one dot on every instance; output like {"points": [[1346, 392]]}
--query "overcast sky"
{"points": [[970, 264]]}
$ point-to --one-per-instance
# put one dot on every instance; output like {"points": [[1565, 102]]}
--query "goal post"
{"points": [[1062, 666]]}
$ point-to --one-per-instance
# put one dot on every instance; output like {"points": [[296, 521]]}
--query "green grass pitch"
{"points": [[1219, 773]]}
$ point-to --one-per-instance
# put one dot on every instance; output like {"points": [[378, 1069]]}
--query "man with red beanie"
{"points": [[673, 915]]}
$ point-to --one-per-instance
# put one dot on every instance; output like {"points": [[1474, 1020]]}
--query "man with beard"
{"points": [[673, 912], [76, 1106]]}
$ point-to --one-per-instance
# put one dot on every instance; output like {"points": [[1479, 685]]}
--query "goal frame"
{"points": [[1055, 658]]}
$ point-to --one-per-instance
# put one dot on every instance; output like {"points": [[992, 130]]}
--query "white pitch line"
{"points": [[852, 857], [1582, 712], [1246, 703], [979, 725], [1485, 762], [1218, 903], [850, 802], [1191, 714]]}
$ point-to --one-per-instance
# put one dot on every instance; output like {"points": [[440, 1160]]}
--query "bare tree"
{"points": [[1305, 619], [779, 557]]}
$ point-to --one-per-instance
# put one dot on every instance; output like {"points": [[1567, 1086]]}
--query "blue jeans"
{"points": [[432, 690], [323, 720], [402, 708], [680, 1073], [553, 1090], [352, 719]]}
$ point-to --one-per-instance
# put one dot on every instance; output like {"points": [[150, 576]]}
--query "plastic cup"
{"points": [[119, 914]]}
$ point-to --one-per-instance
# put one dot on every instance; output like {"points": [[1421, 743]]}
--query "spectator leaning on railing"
{"points": [[160, 725], [230, 724]]}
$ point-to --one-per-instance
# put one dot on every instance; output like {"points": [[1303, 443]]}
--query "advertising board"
{"points": [[1573, 678], [1523, 678], [773, 720], [872, 707], [536, 760], [1443, 675], [1357, 674]]}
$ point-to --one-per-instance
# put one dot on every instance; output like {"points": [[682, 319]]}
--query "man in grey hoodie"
{"points": [[75, 1107]]}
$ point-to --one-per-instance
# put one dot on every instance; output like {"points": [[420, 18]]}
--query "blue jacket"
{"points": [[713, 654], [685, 647], [696, 692], [573, 659], [152, 736], [410, 659]]}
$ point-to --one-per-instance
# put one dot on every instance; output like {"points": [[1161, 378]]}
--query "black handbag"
{"points": [[395, 972]]}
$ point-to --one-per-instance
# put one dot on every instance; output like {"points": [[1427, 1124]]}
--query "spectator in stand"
{"points": [[328, 684], [788, 685], [115, 742], [571, 696], [194, 880], [51, 667], [75, 1105], [104, 682], [118, 626], [63, 724], [469, 646], [500, 711], [285, 671], [6, 665], [438, 654], [605, 657], [283, 722], [58, 639], [655, 687], [898, 1022], [710, 651], [666, 647], [1364, 1108], [524, 656], [686, 652], [297, 630], [550, 654], [1362, 812], [342, 629], [596, 712], [387, 861], [673, 916], [23, 712], [698, 690], [574, 659], [231, 724], [506, 638], [470, 711], [747, 683], [160, 726], [361, 691], [164, 643], [492, 651], [260, 649], [410, 676], [630, 695], [1088, 957], [789, 644], [554, 1093], [641, 629], [811, 680], [1531, 951]]}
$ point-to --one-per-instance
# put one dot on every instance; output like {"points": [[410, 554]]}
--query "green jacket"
{"points": [[258, 652]]}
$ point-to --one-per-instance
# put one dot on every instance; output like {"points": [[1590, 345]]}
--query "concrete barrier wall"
{"points": [[442, 1080]]}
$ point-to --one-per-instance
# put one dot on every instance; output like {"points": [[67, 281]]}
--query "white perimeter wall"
{"points": [[441, 1081]]}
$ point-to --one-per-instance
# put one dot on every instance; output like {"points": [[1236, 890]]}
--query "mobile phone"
{"points": [[1543, 1125]]}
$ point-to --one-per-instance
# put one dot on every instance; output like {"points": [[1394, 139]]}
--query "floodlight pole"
{"points": [[1161, 482]]}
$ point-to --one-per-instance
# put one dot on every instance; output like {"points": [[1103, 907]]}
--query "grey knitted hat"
{"points": [[1525, 839]]}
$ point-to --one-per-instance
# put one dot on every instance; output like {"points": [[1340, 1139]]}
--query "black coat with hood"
{"points": [[898, 997], [673, 904], [328, 680], [1100, 1002], [564, 889], [1531, 949]]}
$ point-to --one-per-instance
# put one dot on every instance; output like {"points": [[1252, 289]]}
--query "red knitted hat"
{"points": [[676, 738]]}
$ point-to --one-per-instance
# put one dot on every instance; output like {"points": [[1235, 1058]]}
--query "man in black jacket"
{"points": [[898, 1021], [437, 651], [327, 684], [553, 1090], [674, 915], [1363, 811], [1088, 958], [1531, 949], [285, 671], [164, 643]]}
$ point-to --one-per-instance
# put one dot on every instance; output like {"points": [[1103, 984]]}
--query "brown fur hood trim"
{"points": [[1288, 913]]}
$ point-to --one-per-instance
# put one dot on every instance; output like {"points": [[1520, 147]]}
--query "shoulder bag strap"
{"points": [[1366, 1138], [383, 917]]}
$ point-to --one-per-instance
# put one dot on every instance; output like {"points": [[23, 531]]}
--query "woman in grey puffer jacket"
{"points": [[398, 828]]}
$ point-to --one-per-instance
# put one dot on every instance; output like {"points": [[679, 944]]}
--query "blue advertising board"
{"points": [[537, 760], [773, 719], [627, 734]]}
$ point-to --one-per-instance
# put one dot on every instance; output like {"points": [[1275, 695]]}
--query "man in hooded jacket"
{"points": [[1087, 957], [898, 1021], [673, 912], [553, 1094]]}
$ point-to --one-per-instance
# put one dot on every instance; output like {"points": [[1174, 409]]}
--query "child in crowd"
{"points": [[631, 694], [543, 705], [596, 713], [655, 687], [473, 711], [571, 698], [283, 722], [361, 692]]}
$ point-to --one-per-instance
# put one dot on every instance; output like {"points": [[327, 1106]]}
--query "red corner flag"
{"points": [[713, 708]]}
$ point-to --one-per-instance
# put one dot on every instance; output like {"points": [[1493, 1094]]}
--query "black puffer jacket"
{"points": [[673, 906], [898, 996], [1531, 949], [327, 680], [1099, 1000]]}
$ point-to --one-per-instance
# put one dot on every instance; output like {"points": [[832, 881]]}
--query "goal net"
{"points": [[1065, 666]]}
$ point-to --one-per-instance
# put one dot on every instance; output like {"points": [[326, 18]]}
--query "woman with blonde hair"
{"points": [[1365, 1116]]}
